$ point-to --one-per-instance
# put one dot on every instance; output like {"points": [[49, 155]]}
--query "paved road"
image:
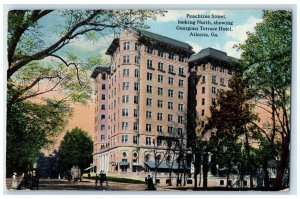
{"points": [[88, 185]]}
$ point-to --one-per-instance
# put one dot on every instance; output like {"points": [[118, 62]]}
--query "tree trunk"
{"points": [[205, 170], [266, 173], [251, 180], [284, 156]]}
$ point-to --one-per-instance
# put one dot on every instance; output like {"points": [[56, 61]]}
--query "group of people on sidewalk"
{"points": [[101, 178]]}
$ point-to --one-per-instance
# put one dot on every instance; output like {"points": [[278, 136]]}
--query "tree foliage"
{"points": [[266, 56], [76, 149], [37, 61], [31, 127], [231, 121]]}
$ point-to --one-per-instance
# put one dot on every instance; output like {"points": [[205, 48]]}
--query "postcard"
{"points": [[149, 100]]}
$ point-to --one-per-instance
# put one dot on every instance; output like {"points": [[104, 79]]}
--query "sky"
{"points": [[242, 21]]}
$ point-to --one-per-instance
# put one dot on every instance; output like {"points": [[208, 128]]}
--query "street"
{"points": [[89, 185]]}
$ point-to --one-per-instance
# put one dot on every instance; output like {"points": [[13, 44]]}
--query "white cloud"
{"points": [[174, 15], [239, 32], [228, 48], [196, 46], [83, 44]]}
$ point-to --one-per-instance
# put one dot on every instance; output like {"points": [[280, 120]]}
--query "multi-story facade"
{"points": [[140, 97], [143, 98], [209, 73]]}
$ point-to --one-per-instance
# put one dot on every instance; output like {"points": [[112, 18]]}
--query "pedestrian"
{"points": [[150, 183], [96, 180], [101, 178]]}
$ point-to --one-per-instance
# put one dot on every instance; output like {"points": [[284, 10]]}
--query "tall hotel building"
{"points": [[143, 94], [209, 73], [140, 96]]}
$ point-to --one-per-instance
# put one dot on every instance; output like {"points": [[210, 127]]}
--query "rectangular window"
{"points": [[180, 131], [170, 105], [102, 117], [102, 127], [149, 63], [135, 112], [135, 126], [103, 86], [180, 83], [203, 90], [222, 69], [149, 89], [222, 82], [149, 50], [160, 66], [125, 85], [171, 80], [180, 119], [125, 72], [126, 59], [180, 95], [148, 114], [170, 93], [136, 86], [214, 79], [171, 55], [171, 69], [103, 97], [203, 79], [213, 90], [137, 46], [103, 107], [160, 91], [102, 137], [148, 140], [136, 73], [135, 139], [170, 129], [125, 98], [124, 138], [202, 112], [159, 129], [125, 112], [148, 127], [181, 58], [159, 116], [137, 59], [180, 107], [148, 101], [203, 101], [149, 76], [136, 99], [161, 53], [159, 103], [181, 71], [160, 78], [124, 125], [126, 45], [213, 68], [170, 118]]}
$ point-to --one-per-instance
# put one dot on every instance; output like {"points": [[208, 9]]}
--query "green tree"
{"points": [[76, 148], [232, 119], [30, 127], [27, 49], [266, 56]]}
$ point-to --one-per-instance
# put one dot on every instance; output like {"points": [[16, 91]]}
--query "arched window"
{"points": [[147, 158]]}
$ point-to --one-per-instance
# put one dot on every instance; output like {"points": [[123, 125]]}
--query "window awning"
{"points": [[164, 165], [123, 163]]}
